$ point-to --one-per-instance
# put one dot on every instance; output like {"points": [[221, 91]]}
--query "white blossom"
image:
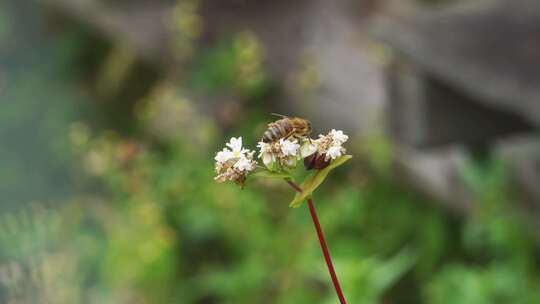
{"points": [[263, 148], [334, 152], [235, 144], [243, 164], [223, 156], [289, 148], [331, 145], [268, 159], [338, 136], [234, 164], [265, 152], [284, 152], [308, 148]]}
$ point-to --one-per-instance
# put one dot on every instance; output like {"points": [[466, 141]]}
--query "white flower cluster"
{"points": [[235, 163], [331, 145], [286, 152]]}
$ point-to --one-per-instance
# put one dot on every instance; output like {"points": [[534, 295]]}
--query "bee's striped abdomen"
{"points": [[277, 130]]}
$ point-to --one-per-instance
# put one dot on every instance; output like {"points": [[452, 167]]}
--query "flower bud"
{"points": [[316, 161]]}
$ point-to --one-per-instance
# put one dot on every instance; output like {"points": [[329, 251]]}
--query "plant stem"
{"points": [[322, 241]]}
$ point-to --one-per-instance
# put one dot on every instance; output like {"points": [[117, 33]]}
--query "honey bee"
{"points": [[285, 128]]}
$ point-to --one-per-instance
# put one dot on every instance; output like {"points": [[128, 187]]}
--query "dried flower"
{"points": [[234, 164]]}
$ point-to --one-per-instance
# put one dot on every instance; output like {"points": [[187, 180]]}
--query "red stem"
{"points": [[324, 247]]}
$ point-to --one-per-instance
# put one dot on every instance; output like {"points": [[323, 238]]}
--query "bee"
{"points": [[286, 127]]}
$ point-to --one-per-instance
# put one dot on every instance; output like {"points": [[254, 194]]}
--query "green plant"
{"points": [[280, 155]]}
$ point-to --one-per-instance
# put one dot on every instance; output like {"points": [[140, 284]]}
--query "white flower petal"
{"points": [[339, 136], [289, 147], [235, 144], [243, 164], [263, 148], [267, 159], [223, 156], [308, 149], [334, 152]]}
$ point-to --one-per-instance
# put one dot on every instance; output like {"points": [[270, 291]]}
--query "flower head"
{"points": [[223, 156], [266, 153], [338, 136], [335, 152], [329, 147], [243, 164], [235, 164], [284, 153], [235, 144], [289, 148]]}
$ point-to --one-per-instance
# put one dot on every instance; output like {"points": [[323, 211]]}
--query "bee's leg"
{"points": [[291, 133]]}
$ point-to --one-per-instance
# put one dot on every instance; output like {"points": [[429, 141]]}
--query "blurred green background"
{"points": [[107, 192]]}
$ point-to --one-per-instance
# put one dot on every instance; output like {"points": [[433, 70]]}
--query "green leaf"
{"points": [[270, 174], [313, 181]]}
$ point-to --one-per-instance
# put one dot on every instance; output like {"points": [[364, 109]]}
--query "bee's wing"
{"points": [[279, 115]]}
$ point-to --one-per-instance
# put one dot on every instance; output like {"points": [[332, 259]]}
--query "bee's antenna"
{"points": [[279, 115]]}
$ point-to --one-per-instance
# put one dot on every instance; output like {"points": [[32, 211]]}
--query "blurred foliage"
{"points": [[498, 239], [234, 65], [167, 114], [164, 232], [39, 102], [494, 284], [186, 26], [146, 223], [307, 76]]}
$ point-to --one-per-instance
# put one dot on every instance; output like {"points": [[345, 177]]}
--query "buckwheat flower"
{"points": [[278, 154], [266, 153], [244, 164], [235, 164], [289, 148], [263, 147], [335, 152], [223, 156], [329, 147], [235, 144], [338, 136]]}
